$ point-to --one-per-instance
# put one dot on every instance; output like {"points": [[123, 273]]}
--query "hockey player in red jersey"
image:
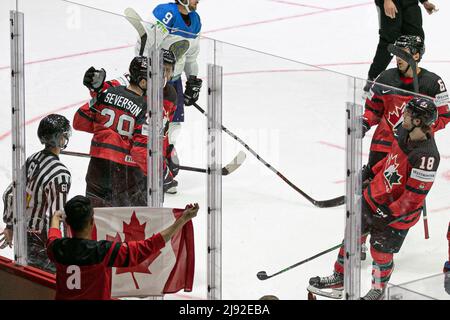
{"points": [[116, 116], [83, 266], [387, 98], [393, 199]]}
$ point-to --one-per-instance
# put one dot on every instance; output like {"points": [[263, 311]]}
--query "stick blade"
{"points": [[135, 19], [335, 202], [234, 164], [262, 275]]}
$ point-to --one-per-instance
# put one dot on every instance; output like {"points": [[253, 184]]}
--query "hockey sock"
{"points": [[339, 264], [382, 267]]}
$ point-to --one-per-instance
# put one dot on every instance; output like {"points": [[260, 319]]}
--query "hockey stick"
{"points": [[226, 170], [262, 275], [133, 17], [413, 64], [396, 51], [318, 203]]}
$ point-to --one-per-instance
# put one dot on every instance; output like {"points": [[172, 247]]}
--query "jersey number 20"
{"points": [[121, 128]]}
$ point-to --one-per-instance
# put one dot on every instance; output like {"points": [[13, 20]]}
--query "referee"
{"points": [[48, 183], [396, 18]]}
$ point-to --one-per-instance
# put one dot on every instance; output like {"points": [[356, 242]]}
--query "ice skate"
{"points": [[330, 287], [374, 294]]}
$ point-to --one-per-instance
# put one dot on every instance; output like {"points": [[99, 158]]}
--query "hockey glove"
{"points": [[193, 86], [93, 79], [366, 175], [382, 217], [365, 127], [446, 266]]}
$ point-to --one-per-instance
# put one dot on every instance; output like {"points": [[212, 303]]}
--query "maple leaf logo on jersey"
{"points": [[396, 116], [391, 175], [134, 231]]}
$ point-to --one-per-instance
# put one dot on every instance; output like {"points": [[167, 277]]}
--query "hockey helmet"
{"points": [[52, 128], [138, 69], [423, 109], [415, 44]]}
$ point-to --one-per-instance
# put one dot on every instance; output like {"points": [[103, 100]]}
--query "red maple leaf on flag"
{"points": [[134, 231]]}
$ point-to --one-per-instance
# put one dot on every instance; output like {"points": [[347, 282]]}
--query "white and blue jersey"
{"points": [[175, 35]]}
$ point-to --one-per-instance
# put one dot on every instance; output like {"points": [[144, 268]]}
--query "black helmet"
{"points": [[138, 69], [423, 109], [415, 44], [52, 128], [169, 57]]}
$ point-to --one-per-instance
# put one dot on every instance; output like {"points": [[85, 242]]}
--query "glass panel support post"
{"points": [[214, 182], [18, 135], [155, 121], [352, 242]]}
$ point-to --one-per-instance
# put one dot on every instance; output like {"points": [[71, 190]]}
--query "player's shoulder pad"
{"points": [[428, 74], [196, 22], [425, 156], [387, 77], [165, 13]]}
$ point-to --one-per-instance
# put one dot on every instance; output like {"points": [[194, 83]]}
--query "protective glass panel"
{"points": [[5, 99], [436, 287], [290, 118]]}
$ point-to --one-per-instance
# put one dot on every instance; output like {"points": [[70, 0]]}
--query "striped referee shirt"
{"points": [[48, 183]]}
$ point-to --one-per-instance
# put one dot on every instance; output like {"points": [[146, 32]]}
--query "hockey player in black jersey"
{"points": [[47, 186]]}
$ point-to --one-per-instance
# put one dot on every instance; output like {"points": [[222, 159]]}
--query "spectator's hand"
{"points": [[57, 217], [390, 9], [6, 238], [429, 7], [190, 211], [193, 86], [93, 79]]}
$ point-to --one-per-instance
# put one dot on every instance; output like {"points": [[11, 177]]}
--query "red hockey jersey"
{"points": [[83, 267], [404, 178], [117, 118], [385, 105]]}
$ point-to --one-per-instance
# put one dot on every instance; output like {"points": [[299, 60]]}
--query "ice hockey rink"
{"points": [[291, 113]]}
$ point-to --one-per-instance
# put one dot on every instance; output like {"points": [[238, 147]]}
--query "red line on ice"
{"points": [[446, 175], [440, 209], [8, 133], [298, 4], [290, 17]]}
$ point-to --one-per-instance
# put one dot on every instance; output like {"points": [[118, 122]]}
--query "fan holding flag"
{"points": [[84, 266]]}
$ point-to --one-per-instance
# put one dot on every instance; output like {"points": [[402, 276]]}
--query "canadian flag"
{"points": [[167, 271]]}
